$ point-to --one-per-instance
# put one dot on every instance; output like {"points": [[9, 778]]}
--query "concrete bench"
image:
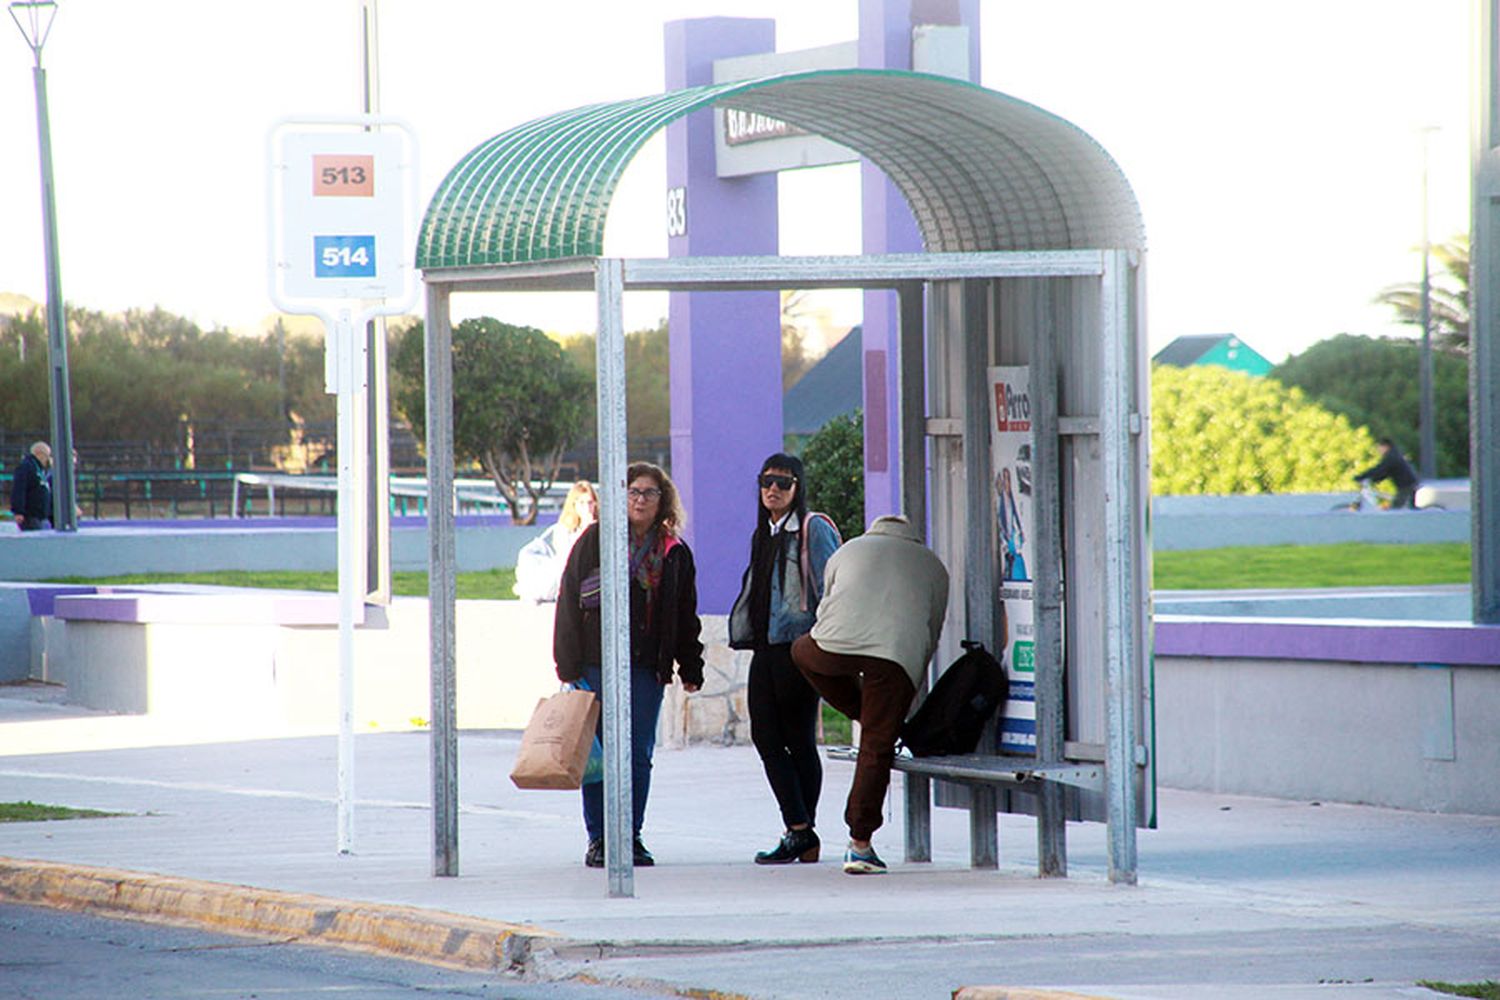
{"points": [[266, 660], [982, 773]]}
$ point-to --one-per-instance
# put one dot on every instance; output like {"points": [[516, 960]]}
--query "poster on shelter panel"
{"points": [[1010, 458]]}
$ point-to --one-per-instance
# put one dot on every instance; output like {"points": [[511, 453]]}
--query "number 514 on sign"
{"points": [[344, 256]]}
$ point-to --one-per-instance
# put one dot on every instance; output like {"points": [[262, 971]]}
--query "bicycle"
{"points": [[1370, 500]]}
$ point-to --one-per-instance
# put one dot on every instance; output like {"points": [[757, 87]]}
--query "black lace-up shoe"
{"points": [[594, 856], [643, 858], [796, 845]]}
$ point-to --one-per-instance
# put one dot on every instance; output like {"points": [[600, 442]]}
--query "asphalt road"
{"points": [[51, 955]]}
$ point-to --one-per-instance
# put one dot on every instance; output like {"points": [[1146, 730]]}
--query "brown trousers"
{"points": [[875, 692]]}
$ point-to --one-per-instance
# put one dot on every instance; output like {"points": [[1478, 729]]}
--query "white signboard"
{"points": [[1010, 453], [340, 204], [749, 143]]}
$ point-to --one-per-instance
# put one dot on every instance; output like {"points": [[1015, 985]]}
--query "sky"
{"points": [[1275, 148]]}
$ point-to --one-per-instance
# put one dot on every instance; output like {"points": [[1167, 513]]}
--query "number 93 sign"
{"points": [[339, 202]]}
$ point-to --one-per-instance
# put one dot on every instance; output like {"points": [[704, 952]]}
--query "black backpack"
{"points": [[953, 715]]}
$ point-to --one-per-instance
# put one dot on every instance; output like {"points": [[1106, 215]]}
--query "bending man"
{"points": [[884, 598]]}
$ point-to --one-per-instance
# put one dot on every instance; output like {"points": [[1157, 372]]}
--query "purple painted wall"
{"points": [[885, 41], [725, 346], [1345, 641]]}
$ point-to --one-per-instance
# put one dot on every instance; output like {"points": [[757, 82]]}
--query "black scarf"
{"points": [[765, 548]]}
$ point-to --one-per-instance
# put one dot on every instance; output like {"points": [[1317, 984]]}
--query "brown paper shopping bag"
{"points": [[555, 746]]}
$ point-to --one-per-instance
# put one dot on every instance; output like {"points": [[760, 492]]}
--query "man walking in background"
{"points": [[31, 489]]}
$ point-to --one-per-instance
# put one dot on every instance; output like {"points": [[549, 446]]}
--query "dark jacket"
{"points": [[673, 629], [1393, 467], [31, 491]]}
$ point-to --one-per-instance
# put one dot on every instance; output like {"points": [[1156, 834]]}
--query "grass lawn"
{"points": [[838, 731], [1487, 990], [485, 585], [1207, 569], [1292, 566], [32, 812]]}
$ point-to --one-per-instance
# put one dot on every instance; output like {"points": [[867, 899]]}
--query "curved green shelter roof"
{"points": [[981, 171]]}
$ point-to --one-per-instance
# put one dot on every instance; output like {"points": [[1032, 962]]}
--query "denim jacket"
{"points": [[796, 584]]}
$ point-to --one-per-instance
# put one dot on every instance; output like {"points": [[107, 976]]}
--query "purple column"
{"points": [[885, 34], [725, 346]]}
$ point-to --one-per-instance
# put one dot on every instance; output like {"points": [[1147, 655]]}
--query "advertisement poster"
{"points": [[1010, 454]]}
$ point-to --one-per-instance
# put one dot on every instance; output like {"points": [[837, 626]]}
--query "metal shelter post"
{"points": [[442, 590], [614, 557], [979, 567], [1047, 584], [1484, 320], [1115, 419], [912, 440]]}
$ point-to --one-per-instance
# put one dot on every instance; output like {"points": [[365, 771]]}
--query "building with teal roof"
{"points": [[1222, 349]]}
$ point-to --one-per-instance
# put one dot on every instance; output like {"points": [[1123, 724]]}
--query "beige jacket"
{"points": [[885, 595]]}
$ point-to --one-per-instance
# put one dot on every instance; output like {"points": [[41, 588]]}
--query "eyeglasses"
{"points": [[649, 493], [782, 483]]}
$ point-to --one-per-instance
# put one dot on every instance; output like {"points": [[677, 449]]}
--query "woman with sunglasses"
{"points": [[664, 629], [778, 602]]}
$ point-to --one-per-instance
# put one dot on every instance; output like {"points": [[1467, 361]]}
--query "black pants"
{"points": [[784, 729]]}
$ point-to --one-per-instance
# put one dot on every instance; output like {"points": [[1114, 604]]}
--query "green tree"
{"points": [[23, 375], [648, 395], [1220, 432], [835, 462], [143, 376], [1374, 383], [1448, 296], [518, 403]]}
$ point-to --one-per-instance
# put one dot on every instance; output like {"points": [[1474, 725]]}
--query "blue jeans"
{"points": [[645, 709]]}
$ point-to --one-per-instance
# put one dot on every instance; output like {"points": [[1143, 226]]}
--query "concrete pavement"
{"points": [[1239, 897]]}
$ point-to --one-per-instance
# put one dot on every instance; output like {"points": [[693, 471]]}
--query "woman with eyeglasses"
{"points": [[664, 630], [778, 602]]}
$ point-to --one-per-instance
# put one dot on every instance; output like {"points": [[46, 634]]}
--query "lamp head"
{"points": [[34, 18]]}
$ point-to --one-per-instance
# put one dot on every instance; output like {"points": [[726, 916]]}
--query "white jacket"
{"points": [[539, 566], [885, 595]]}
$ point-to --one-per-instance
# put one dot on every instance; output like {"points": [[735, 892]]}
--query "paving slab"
{"points": [[1238, 896]]}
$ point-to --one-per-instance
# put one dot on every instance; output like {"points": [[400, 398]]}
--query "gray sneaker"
{"points": [[863, 862]]}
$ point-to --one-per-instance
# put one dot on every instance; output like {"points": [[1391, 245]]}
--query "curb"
{"points": [[1018, 993], [432, 936]]}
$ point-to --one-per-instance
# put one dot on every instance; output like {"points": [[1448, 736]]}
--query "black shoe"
{"points": [[594, 856], [642, 858], [796, 845]]}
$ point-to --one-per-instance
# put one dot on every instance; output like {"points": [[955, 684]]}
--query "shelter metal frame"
{"points": [[911, 276]]}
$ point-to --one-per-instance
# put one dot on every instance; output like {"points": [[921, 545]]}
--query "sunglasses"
{"points": [[782, 483]]}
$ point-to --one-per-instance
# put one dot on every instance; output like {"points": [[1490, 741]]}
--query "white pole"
{"points": [[347, 344]]}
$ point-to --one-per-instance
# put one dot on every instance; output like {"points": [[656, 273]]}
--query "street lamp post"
{"points": [[34, 18]]}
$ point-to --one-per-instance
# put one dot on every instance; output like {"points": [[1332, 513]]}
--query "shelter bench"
{"points": [[982, 774]]}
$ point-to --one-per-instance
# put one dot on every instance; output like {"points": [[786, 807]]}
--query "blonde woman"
{"points": [[540, 565]]}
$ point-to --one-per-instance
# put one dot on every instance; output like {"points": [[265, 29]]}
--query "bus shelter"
{"points": [[1034, 258]]}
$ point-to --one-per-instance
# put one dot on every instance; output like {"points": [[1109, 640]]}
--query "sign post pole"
{"points": [[338, 203]]}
